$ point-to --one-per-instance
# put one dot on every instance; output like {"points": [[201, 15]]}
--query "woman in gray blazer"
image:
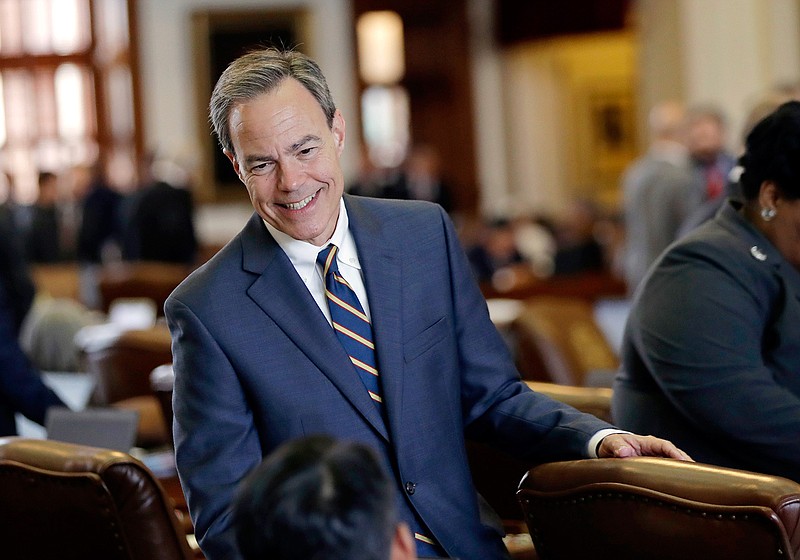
{"points": [[711, 354]]}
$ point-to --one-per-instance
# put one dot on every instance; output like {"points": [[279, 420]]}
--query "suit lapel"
{"points": [[382, 269], [280, 292]]}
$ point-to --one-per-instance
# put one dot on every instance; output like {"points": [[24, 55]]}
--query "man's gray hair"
{"points": [[258, 72]]}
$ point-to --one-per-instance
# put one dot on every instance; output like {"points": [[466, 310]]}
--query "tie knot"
{"points": [[327, 259]]}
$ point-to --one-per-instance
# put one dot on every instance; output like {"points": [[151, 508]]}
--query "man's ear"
{"points": [[403, 547], [232, 158], [338, 130]]}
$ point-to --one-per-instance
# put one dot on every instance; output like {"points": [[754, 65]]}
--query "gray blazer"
{"points": [[711, 353], [659, 195]]}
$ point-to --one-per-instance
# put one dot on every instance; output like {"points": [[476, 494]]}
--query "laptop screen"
{"points": [[109, 428]]}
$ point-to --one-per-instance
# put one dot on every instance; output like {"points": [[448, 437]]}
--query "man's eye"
{"points": [[261, 168], [307, 151]]}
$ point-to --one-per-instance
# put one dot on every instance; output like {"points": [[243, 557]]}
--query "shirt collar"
{"points": [[303, 255]]}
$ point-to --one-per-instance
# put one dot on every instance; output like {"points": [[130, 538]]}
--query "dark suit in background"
{"points": [[21, 387], [161, 226], [711, 355]]}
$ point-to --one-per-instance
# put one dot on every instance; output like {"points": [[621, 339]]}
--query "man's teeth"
{"points": [[299, 205]]}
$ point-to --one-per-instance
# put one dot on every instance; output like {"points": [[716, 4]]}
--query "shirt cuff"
{"points": [[597, 438]]}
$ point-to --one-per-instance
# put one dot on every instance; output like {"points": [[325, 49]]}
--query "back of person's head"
{"points": [[772, 153], [262, 71], [705, 131], [317, 499], [666, 121]]}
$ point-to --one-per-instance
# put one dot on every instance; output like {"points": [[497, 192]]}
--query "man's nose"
{"points": [[291, 175]]}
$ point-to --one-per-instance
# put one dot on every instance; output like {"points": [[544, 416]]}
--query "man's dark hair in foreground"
{"points": [[318, 498]]}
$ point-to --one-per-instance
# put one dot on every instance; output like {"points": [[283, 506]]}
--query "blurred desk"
{"points": [[590, 286]]}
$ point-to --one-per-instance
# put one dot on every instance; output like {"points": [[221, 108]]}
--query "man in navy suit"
{"points": [[257, 362]]}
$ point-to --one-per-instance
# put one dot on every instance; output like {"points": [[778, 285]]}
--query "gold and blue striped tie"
{"points": [[351, 324], [354, 330]]}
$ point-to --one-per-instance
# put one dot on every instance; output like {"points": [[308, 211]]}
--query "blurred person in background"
{"points": [[710, 161], [161, 218], [495, 258], [578, 249], [21, 387], [43, 234], [658, 192], [99, 234]]}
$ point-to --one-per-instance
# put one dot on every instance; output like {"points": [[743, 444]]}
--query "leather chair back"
{"points": [[121, 369], [559, 342], [121, 365], [64, 501], [142, 279], [660, 509]]}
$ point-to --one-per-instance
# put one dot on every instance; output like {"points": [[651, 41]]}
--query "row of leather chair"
{"points": [[69, 501]]}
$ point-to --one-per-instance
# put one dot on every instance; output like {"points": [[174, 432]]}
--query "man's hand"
{"points": [[633, 445]]}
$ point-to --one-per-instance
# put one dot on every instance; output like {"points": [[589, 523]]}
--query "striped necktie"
{"points": [[351, 324], [354, 330]]}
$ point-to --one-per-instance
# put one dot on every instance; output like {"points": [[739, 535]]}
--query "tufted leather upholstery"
{"points": [[63, 501], [659, 509]]}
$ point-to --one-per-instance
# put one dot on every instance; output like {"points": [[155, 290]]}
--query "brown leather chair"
{"points": [[64, 501], [558, 341], [594, 400], [121, 367], [659, 509]]}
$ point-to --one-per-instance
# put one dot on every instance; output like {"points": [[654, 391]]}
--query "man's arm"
{"points": [[501, 410], [215, 440]]}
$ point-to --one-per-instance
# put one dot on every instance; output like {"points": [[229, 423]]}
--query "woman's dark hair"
{"points": [[773, 153]]}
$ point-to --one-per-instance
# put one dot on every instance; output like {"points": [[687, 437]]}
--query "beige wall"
{"points": [[555, 97], [540, 106], [533, 117], [166, 50]]}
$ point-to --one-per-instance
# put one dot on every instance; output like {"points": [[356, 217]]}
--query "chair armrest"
{"points": [[639, 506], [594, 400]]}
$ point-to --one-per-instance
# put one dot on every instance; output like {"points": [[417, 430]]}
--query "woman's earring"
{"points": [[768, 213]]}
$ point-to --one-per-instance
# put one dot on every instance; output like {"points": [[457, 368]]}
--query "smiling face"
{"points": [[288, 158]]}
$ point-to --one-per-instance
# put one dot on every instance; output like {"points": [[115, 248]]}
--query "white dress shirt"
{"points": [[303, 256]]}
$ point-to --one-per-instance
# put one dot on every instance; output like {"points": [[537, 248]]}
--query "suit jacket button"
{"points": [[410, 488]]}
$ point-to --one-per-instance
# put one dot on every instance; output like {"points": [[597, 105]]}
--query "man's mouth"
{"points": [[299, 205]]}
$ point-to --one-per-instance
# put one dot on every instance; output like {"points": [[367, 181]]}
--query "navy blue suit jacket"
{"points": [[257, 364]]}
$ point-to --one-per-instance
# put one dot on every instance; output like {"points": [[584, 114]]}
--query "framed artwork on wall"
{"points": [[607, 136], [219, 37]]}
